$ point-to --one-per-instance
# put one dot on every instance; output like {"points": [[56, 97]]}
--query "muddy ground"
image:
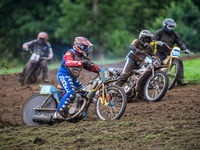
{"points": [[172, 123]]}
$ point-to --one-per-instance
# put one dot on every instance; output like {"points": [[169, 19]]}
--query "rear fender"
{"points": [[48, 89]]}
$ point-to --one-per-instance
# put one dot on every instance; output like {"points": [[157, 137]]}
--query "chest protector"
{"points": [[75, 70], [41, 50]]}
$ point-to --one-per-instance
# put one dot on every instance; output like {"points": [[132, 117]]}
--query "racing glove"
{"points": [[25, 47], [86, 63], [160, 43]]}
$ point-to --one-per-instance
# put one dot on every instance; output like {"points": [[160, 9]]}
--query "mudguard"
{"points": [[48, 89]]}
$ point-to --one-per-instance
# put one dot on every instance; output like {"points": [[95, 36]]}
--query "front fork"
{"points": [[105, 99]]}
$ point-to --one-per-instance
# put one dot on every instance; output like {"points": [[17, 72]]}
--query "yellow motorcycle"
{"points": [[172, 65]]}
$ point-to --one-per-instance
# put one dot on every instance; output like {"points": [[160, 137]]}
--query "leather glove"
{"points": [[187, 51], [160, 43], [86, 63]]}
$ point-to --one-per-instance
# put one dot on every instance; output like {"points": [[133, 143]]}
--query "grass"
{"points": [[192, 70]]}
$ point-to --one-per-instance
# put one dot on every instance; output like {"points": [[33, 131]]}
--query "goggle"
{"points": [[170, 27], [147, 39], [41, 39], [86, 48]]}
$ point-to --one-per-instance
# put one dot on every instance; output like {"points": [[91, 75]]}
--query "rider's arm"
{"points": [[93, 68], [50, 54], [69, 60], [179, 42], [133, 45], [27, 45]]}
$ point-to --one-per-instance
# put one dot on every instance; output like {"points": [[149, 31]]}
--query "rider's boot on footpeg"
{"points": [[58, 116]]}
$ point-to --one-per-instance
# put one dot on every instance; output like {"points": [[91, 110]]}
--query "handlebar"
{"points": [[163, 43], [43, 58]]}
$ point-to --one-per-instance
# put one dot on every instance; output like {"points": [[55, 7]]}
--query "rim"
{"points": [[155, 86], [111, 112]]}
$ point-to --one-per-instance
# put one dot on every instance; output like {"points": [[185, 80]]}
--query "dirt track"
{"points": [[13, 95], [174, 122]]}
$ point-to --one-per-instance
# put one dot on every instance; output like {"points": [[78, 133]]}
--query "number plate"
{"points": [[47, 89], [175, 52], [35, 57]]}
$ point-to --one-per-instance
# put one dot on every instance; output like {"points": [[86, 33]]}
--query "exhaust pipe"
{"points": [[42, 118]]}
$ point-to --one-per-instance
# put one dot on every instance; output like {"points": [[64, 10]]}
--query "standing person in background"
{"points": [[170, 37], [40, 46]]}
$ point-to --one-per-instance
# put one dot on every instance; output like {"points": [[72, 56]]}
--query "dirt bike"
{"points": [[171, 62], [147, 80], [110, 103], [33, 69]]}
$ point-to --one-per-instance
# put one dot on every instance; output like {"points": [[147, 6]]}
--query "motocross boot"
{"points": [[57, 116], [182, 82], [45, 79]]}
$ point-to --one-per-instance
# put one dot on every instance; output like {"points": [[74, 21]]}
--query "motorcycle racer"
{"points": [[170, 37], [73, 61], [42, 47], [136, 55]]}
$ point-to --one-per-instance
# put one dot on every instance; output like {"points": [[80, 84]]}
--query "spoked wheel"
{"points": [[156, 86], [115, 108], [29, 108], [173, 74]]}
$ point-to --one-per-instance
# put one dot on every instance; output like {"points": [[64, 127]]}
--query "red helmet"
{"points": [[83, 45], [43, 35]]}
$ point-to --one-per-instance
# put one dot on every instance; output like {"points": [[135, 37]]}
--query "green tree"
{"points": [[21, 21], [186, 15]]}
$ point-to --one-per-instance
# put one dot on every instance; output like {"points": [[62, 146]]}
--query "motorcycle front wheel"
{"points": [[173, 74], [34, 102], [27, 74], [117, 104], [156, 87]]}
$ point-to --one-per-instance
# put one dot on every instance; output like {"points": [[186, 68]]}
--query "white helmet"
{"points": [[169, 24], [146, 36]]}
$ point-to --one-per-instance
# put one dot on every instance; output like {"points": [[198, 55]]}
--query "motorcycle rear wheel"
{"points": [[118, 101], [156, 86], [35, 101]]}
